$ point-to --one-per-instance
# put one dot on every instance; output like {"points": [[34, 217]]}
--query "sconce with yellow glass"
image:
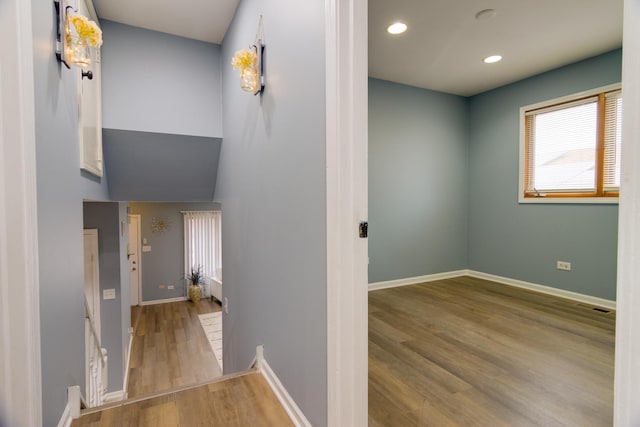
{"points": [[75, 35], [250, 62], [246, 60]]}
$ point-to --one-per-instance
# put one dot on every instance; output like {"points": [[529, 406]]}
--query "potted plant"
{"points": [[196, 278]]}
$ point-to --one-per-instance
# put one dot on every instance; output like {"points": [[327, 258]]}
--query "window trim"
{"points": [[576, 197]]}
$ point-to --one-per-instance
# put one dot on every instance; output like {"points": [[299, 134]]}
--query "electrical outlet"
{"points": [[170, 287], [225, 305], [563, 265]]}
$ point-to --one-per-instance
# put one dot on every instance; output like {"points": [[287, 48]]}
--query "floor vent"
{"points": [[595, 308]]}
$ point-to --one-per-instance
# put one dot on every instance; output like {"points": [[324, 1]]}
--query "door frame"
{"points": [[627, 370], [18, 231], [347, 205], [138, 244], [20, 364]]}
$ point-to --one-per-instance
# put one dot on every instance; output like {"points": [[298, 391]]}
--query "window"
{"points": [[570, 148], [202, 243]]}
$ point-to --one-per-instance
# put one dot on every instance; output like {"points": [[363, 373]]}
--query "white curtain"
{"points": [[203, 245]]}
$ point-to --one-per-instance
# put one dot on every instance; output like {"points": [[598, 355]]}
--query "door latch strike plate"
{"points": [[363, 229]]}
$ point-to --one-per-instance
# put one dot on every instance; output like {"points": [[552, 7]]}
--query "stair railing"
{"points": [[96, 362]]}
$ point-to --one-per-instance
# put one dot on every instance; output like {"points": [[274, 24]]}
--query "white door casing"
{"points": [[20, 343], [133, 255], [20, 368], [627, 354], [346, 181]]}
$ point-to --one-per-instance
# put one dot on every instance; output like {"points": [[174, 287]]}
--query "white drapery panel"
{"points": [[203, 243]]}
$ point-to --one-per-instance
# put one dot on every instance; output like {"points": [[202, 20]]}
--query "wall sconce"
{"points": [[250, 62], [74, 35]]}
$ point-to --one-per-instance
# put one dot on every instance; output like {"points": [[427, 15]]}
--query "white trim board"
{"points": [[65, 419], [72, 408], [164, 301], [346, 205], [20, 367], [416, 280], [114, 396], [127, 366], [543, 289], [295, 413], [626, 411]]}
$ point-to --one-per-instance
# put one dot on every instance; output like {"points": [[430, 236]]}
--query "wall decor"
{"points": [[75, 34], [250, 63], [159, 224]]}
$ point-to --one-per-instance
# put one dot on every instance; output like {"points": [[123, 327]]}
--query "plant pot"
{"points": [[195, 293]]}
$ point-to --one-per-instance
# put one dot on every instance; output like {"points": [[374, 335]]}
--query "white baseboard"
{"points": [[574, 296], [125, 382], [72, 408], [163, 301], [114, 396], [416, 280], [66, 419], [295, 413]]}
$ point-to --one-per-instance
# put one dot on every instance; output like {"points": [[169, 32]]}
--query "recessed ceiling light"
{"points": [[486, 14], [397, 28], [491, 59]]}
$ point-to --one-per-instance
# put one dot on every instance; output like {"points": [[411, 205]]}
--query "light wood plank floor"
{"points": [[239, 402], [170, 348], [469, 352]]}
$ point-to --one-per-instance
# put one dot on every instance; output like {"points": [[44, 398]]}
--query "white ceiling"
{"points": [[445, 44], [205, 20]]}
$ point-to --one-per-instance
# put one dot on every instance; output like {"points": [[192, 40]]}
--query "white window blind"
{"points": [[203, 243], [562, 147], [612, 140]]}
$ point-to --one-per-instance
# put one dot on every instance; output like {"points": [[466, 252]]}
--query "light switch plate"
{"points": [[109, 294]]}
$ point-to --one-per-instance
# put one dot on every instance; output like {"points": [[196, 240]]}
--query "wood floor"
{"points": [[170, 348], [239, 402], [468, 352]]}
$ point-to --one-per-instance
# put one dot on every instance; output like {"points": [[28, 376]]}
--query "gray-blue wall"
{"points": [[418, 181], [443, 187], [523, 241], [156, 82], [61, 187], [147, 166], [105, 217], [164, 265], [271, 183]]}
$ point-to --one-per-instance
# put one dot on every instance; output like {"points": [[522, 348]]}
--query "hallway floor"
{"points": [[170, 348], [245, 400]]}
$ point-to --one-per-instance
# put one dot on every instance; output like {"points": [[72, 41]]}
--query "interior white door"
{"points": [[92, 276], [133, 254]]}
